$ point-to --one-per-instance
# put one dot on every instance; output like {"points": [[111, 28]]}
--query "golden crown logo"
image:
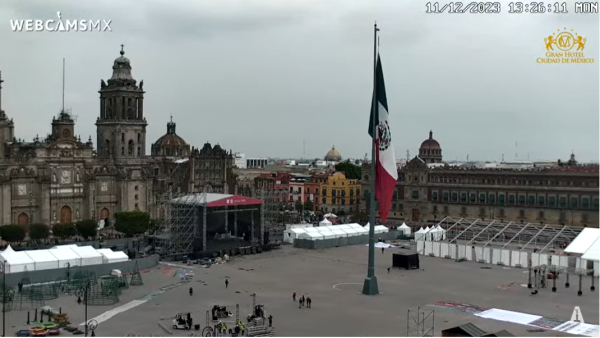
{"points": [[564, 46], [565, 41]]}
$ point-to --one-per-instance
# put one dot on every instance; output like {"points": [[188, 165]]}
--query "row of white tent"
{"points": [[432, 233], [58, 257], [307, 231], [586, 244]]}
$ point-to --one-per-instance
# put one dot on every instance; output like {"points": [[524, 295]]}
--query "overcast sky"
{"points": [[264, 76]]}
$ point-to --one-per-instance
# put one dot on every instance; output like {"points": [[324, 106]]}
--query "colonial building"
{"points": [[340, 194], [61, 178], [564, 194]]}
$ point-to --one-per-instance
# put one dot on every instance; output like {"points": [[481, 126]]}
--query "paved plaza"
{"points": [[333, 279]]}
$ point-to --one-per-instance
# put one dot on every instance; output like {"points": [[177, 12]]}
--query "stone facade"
{"points": [[62, 179], [561, 195]]}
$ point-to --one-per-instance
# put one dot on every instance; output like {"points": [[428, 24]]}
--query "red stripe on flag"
{"points": [[385, 185]]}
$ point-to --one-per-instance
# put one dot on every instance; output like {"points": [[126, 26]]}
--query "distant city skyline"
{"points": [[273, 79]]}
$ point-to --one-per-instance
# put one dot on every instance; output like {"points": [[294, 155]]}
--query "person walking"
{"points": [[226, 283], [382, 250], [191, 291], [270, 320], [389, 271], [308, 302], [294, 296]]}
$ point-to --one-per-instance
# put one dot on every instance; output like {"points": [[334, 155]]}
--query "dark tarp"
{"points": [[405, 260]]}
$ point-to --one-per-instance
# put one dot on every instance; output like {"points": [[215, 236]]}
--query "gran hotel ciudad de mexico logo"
{"points": [[565, 46]]}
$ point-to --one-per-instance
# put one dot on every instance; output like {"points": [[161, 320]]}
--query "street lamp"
{"points": [[3, 265], [90, 325]]}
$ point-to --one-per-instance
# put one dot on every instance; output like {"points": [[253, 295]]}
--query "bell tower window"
{"points": [[130, 146]]}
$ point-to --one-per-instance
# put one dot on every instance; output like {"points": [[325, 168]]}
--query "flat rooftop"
{"points": [[333, 279]]}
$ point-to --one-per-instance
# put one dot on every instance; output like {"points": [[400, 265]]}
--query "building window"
{"points": [[531, 201], [415, 194], [324, 200], [541, 215], [511, 199], [585, 203], [481, 198], [332, 192], [521, 200], [137, 197], [308, 190], [563, 202], [473, 197], [333, 200], [522, 213], [137, 206], [291, 189], [463, 197], [122, 150], [541, 201], [491, 198], [445, 197], [324, 191], [552, 201], [574, 202], [454, 197], [434, 196], [357, 192], [136, 188], [596, 203], [501, 199]]}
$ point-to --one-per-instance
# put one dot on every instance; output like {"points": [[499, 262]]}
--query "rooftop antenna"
{"points": [[304, 149], [516, 150], [502, 157], [407, 155], [467, 157]]}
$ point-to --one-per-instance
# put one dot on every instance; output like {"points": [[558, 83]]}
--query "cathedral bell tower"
{"points": [[121, 126]]}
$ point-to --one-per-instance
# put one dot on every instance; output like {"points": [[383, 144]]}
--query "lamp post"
{"points": [[90, 325], [529, 286], [3, 265]]}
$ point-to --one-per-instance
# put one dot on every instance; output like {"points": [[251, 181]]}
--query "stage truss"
{"points": [[420, 322], [502, 234], [271, 216]]}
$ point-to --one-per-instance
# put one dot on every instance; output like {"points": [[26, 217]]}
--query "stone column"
{"points": [[204, 211], [140, 108], [102, 108]]}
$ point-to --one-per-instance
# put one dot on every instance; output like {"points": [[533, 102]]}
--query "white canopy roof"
{"points": [[583, 241], [355, 226], [311, 235], [330, 215], [351, 231], [404, 226], [66, 255], [322, 228], [40, 256], [311, 230], [294, 230], [421, 231], [343, 226], [593, 253], [17, 260], [340, 233], [113, 256], [362, 230], [328, 234]]}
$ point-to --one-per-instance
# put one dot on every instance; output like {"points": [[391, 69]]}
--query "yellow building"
{"points": [[340, 194]]}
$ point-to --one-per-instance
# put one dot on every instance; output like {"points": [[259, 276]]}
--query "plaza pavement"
{"points": [[339, 310]]}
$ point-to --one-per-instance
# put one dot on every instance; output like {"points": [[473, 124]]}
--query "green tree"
{"points": [[39, 231], [12, 233], [298, 205], [132, 222], [309, 205], [351, 170], [87, 228], [64, 230]]}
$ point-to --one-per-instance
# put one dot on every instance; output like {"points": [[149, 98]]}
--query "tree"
{"points": [[64, 230], [39, 231], [132, 222], [87, 228], [12, 233], [360, 217], [298, 205], [308, 205], [351, 170]]}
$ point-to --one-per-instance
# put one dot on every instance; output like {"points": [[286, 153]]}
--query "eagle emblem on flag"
{"points": [[384, 135]]}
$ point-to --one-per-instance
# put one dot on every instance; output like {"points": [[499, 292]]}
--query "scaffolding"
{"points": [[136, 276], [272, 212], [502, 234], [420, 322]]}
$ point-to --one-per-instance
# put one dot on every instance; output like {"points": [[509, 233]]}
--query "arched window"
{"points": [[106, 147], [130, 147], [139, 137], [122, 137]]}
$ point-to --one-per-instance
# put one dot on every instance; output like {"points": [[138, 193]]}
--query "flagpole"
{"points": [[371, 287]]}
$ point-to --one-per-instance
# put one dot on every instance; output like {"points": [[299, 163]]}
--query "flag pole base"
{"points": [[370, 288]]}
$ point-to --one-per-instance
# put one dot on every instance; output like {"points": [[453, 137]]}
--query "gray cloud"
{"points": [[261, 77]]}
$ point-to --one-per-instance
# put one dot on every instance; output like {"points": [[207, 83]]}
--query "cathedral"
{"points": [[62, 179]]}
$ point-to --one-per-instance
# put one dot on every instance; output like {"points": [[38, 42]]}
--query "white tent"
{"points": [[43, 259], [355, 226], [361, 230], [313, 236], [420, 234], [330, 215], [109, 256], [343, 226], [66, 256], [328, 235], [593, 252], [311, 230], [17, 261], [405, 229], [583, 241], [379, 229], [322, 228], [351, 232], [442, 232], [89, 255], [324, 222], [291, 234], [339, 232]]}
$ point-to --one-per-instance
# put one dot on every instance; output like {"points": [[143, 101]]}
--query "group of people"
{"points": [[302, 301]]}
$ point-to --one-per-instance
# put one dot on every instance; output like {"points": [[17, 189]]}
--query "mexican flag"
{"points": [[386, 171]]}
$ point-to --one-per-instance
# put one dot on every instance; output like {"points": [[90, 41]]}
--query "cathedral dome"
{"points": [[170, 144], [430, 143], [122, 69], [333, 155]]}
